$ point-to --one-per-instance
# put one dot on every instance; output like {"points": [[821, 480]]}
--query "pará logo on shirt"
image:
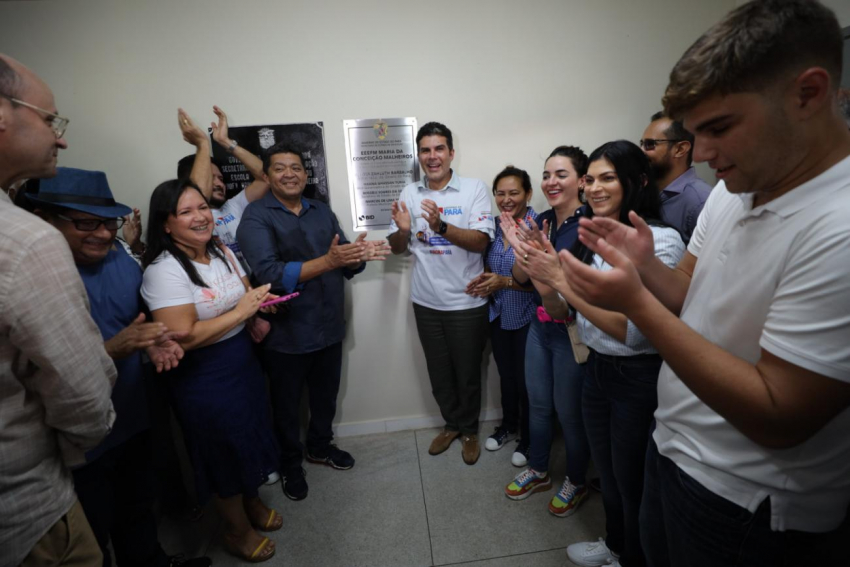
{"points": [[448, 211]]}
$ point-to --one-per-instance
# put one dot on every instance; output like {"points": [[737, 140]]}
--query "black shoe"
{"points": [[295, 483], [332, 456], [595, 484], [180, 561]]}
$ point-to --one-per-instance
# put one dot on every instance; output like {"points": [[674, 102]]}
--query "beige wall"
{"points": [[512, 80]]}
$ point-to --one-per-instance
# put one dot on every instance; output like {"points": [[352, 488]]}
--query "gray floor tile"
{"points": [[471, 519], [371, 515], [553, 558]]}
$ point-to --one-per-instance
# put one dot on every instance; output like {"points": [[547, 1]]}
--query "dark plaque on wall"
{"points": [[309, 138]]}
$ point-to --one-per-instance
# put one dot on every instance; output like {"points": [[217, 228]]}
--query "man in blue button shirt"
{"points": [[115, 485], [296, 244], [670, 149]]}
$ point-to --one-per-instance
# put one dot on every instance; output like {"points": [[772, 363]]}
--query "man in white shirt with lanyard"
{"points": [[446, 222], [750, 463]]}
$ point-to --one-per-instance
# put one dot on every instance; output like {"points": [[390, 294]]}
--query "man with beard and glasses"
{"points": [[207, 175], [670, 149]]}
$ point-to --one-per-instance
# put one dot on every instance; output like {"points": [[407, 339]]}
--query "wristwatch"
{"points": [[232, 146], [443, 227]]}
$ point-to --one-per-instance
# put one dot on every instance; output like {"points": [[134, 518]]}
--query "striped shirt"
{"points": [[515, 307], [669, 248]]}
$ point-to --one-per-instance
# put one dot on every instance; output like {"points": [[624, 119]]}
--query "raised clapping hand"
{"points": [[618, 289], [486, 284], [637, 243], [137, 335], [132, 231], [192, 133], [249, 304], [376, 250], [401, 216], [219, 131], [431, 214], [355, 253]]}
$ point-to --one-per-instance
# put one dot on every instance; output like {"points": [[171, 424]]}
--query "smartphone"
{"points": [[280, 299]]}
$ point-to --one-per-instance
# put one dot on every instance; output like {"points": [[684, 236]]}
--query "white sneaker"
{"points": [[592, 554], [520, 456], [273, 478]]}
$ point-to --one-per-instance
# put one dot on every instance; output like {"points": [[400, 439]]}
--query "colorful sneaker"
{"points": [[568, 499], [499, 438], [527, 483], [520, 456], [592, 554]]}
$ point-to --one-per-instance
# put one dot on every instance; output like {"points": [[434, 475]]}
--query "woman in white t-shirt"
{"points": [[620, 388], [199, 290]]}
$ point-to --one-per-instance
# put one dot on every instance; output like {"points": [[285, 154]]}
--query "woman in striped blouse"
{"points": [[511, 309]]}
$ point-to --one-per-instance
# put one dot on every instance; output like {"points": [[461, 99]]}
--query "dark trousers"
{"points": [[619, 399], [509, 352], [288, 374], [453, 342], [683, 524], [168, 477], [116, 492]]}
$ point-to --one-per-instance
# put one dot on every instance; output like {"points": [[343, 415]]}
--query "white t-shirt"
{"points": [[776, 277], [442, 270], [669, 248], [167, 284], [227, 221]]}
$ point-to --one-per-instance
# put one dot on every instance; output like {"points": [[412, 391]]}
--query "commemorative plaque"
{"points": [[381, 157]]}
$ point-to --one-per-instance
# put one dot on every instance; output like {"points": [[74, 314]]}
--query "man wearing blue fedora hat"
{"points": [[115, 485]]}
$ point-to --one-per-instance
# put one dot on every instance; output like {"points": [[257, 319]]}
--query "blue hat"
{"points": [[81, 190]]}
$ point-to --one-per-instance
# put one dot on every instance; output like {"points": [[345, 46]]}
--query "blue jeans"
{"points": [[620, 397], [683, 524], [554, 381]]}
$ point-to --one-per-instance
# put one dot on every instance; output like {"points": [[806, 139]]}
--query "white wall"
{"points": [[511, 79]]}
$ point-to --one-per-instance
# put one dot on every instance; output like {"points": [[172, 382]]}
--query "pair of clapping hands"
{"points": [[627, 249], [355, 253], [154, 338], [402, 217]]}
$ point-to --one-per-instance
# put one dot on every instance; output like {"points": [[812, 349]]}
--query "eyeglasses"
{"points": [[90, 225], [650, 143], [57, 123]]}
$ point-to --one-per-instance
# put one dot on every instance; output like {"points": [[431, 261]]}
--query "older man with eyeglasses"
{"points": [[55, 375], [670, 149]]}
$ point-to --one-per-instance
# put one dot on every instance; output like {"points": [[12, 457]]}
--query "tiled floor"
{"points": [[401, 507]]}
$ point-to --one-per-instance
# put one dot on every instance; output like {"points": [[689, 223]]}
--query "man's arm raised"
{"points": [[258, 188], [202, 169]]}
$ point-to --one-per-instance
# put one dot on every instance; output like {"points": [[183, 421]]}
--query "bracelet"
{"points": [[232, 146], [510, 282]]}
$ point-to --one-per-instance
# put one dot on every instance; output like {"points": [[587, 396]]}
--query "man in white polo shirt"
{"points": [[750, 463], [446, 222]]}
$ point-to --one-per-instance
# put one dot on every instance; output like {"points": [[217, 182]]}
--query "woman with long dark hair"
{"points": [[619, 396], [553, 378], [218, 390]]}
